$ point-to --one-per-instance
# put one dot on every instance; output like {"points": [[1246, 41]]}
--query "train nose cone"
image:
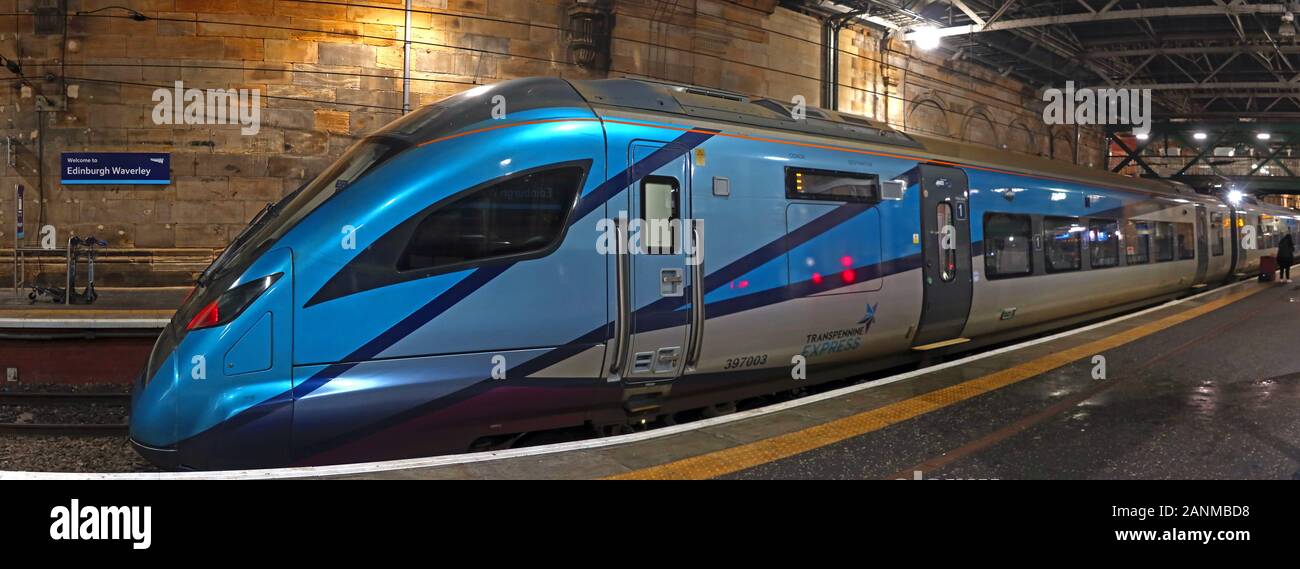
{"points": [[153, 416]]}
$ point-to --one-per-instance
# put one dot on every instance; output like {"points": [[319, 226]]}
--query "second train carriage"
{"points": [[450, 281]]}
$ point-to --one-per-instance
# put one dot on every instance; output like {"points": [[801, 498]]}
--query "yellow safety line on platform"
{"points": [[735, 459]]}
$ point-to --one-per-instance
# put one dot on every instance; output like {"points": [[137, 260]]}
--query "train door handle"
{"points": [[671, 281]]}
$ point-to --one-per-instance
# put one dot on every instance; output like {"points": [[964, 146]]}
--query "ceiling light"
{"points": [[926, 38], [1200, 136], [1263, 136], [1142, 136]]}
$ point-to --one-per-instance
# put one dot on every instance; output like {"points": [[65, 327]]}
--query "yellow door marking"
{"points": [[735, 459], [943, 344]]}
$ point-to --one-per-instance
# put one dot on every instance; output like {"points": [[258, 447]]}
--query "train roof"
{"points": [[715, 104], [736, 108]]}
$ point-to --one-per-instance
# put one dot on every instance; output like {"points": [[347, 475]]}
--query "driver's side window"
{"points": [[520, 216]]}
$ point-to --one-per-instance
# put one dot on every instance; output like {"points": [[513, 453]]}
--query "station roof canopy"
{"points": [[1201, 58]]}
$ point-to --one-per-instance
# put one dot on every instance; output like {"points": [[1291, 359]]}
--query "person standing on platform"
{"points": [[1285, 258]]}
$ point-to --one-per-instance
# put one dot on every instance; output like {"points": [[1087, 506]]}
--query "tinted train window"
{"points": [[660, 204], [1062, 237], [1103, 243], [1163, 240], [1007, 245], [515, 217], [1185, 240], [1217, 226], [806, 184], [1137, 242]]}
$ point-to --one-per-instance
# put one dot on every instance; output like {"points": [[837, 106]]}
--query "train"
{"points": [[546, 255]]}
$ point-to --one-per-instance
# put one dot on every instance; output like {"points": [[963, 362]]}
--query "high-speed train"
{"points": [[543, 254]]}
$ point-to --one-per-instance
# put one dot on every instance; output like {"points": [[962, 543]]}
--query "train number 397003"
{"points": [[746, 361]]}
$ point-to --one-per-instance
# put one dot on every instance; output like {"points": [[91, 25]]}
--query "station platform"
{"points": [[105, 343], [116, 308], [1203, 387]]}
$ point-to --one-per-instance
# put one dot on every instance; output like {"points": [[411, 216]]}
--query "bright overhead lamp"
{"points": [[1142, 136], [1263, 136], [926, 38], [1200, 136]]}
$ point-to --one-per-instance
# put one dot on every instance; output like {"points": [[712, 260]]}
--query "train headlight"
{"points": [[231, 303]]}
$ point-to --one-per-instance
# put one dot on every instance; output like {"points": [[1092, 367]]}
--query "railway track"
{"points": [[28, 406]]}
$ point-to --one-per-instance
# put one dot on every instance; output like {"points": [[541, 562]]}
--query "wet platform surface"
{"points": [[1208, 387]]}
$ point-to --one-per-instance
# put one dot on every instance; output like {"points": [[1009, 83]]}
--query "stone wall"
{"points": [[329, 72]]}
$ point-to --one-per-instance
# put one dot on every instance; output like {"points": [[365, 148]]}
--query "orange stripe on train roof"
{"points": [[783, 142]]}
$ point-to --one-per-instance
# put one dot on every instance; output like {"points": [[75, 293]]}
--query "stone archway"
{"points": [[928, 115], [979, 128], [1020, 138], [1062, 145]]}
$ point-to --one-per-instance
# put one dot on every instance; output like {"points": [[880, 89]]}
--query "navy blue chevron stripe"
{"points": [[483, 275]]}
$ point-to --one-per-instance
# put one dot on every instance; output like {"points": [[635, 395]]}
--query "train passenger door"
{"points": [[1202, 245], [658, 274], [946, 257], [1235, 242]]}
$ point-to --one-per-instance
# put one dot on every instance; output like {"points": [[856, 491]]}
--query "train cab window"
{"points": [[1217, 225], [1185, 240], [661, 207], [1163, 241], [1137, 242], [520, 216], [1103, 243], [1008, 245], [1062, 238], [808, 184]]}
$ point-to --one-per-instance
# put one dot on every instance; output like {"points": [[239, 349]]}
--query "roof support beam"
{"points": [[1217, 50], [1133, 155], [1292, 86], [969, 13], [1002, 10], [1110, 15]]}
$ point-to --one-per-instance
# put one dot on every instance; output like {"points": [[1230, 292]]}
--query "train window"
{"points": [[947, 242], [1265, 237], [1163, 240], [1185, 240], [807, 184], [1063, 237], [660, 206], [1007, 245], [1217, 224], [519, 216], [1137, 242], [1103, 243]]}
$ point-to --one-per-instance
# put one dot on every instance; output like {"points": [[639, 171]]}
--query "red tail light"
{"points": [[231, 303], [207, 316]]}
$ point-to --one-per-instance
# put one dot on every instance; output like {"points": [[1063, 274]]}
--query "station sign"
{"points": [[116, 168]]}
